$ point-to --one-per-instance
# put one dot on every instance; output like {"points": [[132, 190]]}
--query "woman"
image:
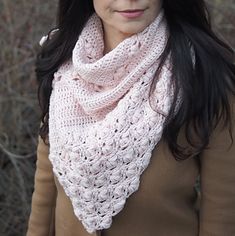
{"points": [[137, 101]]}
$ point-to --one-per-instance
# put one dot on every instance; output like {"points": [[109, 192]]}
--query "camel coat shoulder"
{"points": [[166, 203]]}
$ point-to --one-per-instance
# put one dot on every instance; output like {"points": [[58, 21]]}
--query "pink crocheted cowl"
{"points": [[102, 128]]}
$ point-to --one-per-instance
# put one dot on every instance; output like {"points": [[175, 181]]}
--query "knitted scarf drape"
{"points": [[102, 127]]}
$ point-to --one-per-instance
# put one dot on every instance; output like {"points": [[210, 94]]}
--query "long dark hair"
{"points": [[206, 80]]}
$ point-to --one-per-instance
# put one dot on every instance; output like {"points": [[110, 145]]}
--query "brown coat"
{"points": [[166, 203]]}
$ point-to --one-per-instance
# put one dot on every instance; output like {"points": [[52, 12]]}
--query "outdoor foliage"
{"points": [[22, 23]]}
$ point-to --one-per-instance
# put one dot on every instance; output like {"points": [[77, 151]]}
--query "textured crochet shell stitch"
{"points": [[102, 125]]}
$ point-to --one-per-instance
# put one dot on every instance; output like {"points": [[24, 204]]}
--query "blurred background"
{"points": [[22, 24]]}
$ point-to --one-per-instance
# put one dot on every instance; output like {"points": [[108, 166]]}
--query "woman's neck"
{"points": [[112, 38]]}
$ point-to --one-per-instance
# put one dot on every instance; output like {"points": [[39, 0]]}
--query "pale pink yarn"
{"points": [[102, 128]]}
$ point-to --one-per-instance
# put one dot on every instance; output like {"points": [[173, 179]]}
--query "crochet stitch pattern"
{"points": [[102, 129]]}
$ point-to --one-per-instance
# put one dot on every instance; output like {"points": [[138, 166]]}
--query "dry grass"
{"points": [[22, 23], [223, 18]]}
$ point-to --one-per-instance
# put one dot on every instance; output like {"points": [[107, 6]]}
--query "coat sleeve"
{"points": [[217, 206], [41, 220]]}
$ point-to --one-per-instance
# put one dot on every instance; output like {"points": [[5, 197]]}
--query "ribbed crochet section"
{"points": [[102, 129]]}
